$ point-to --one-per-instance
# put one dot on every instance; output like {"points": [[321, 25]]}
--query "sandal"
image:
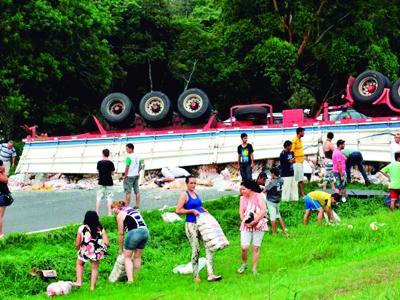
{"points": [[214, 278]]}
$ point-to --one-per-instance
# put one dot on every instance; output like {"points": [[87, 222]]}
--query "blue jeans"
{"points": [[245, 171], [356, 159]]}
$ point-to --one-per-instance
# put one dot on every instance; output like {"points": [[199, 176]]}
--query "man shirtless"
{"points": [[328, 149]]}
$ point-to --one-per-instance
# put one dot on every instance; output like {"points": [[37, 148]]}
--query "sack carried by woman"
{"points": [[211, 232]]}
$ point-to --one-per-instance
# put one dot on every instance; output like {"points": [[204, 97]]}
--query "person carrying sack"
{"points": [[190, 204], [5, 196]]}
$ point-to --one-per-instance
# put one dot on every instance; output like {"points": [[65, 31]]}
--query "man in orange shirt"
{"points": [[297, 149]]}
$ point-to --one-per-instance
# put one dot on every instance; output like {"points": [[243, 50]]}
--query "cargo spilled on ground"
{"points": [[289, 268]]}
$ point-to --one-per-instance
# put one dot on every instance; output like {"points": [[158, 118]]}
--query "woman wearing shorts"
{"points": [[253, 213], [130, 221]]}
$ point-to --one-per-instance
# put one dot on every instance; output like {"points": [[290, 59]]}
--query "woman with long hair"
{"points": [[190, 204], [253, 213], [91, 243], [130, 220]]}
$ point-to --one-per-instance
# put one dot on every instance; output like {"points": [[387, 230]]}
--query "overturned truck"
{"points": [[195, 135]]}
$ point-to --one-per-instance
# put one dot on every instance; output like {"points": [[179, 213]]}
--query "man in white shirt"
{"points": [[8, 155], [131, 175], [394, 146]]}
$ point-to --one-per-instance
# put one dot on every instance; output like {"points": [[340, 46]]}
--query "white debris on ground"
{"points": [[220, 177]]}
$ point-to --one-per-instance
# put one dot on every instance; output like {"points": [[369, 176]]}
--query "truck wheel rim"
{"points": [[192, 103], [368, 86], [154, 106], [116, 107]]}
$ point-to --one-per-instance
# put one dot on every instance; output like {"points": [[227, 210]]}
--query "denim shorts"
{"points": [[136, 238]]}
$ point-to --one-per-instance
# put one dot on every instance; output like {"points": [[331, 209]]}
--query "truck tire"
{"points": [[387, 82], [395, 94], [155, 107], [368, 87], [117, 109], [193, 104], [250, 113]]}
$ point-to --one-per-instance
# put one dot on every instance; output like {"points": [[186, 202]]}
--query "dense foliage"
{"points": [[60, 58]]}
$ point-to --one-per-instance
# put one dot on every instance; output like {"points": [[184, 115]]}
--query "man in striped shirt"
{"points": [[8, 155]]}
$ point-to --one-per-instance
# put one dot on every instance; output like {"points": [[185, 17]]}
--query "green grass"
{"points": [[316, 262]]}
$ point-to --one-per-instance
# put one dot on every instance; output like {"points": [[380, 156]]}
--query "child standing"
{"points": [[274, 195], [91, 243], [392, 171]]}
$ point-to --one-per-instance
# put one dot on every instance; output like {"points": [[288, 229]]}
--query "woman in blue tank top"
{"points": [[190, 204]]}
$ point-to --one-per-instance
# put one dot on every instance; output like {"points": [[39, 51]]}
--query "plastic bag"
{"points": [[188, 268], [118, 272], [59, 288], [170, 217]]}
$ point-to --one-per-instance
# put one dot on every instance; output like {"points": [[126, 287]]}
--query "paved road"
{"points": [[40, 210]]}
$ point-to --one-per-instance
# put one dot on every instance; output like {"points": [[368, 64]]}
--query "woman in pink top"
{"points": [[253, 213]]}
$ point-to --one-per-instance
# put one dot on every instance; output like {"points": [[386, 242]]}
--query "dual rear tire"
{"points": [[155, 107]]}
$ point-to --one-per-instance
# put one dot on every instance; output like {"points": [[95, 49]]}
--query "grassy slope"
{"points": [[316, 262]]}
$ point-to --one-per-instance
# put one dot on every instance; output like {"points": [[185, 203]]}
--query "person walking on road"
{"points": [[290, 191], [106, 169], [8, 155], [394, 146], [245, 158], [297, 149], [339, 169], [328, 149], [131, 222], [190, 204], [131, 179], [354, 158]]}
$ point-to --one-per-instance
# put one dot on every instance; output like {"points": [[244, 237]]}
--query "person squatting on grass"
{"points": [[130, 220], [3, 191], [316, 200], [106, 169], [392, 171], [253, 213], [190, 204], [91, 243], [274, 195]]}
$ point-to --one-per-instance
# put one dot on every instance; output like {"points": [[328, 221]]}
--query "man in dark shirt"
{"points": [[106, 170], [245, 158], [290, 187]]}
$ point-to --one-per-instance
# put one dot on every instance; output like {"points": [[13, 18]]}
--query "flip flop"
{"points": [[215, 278]]}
